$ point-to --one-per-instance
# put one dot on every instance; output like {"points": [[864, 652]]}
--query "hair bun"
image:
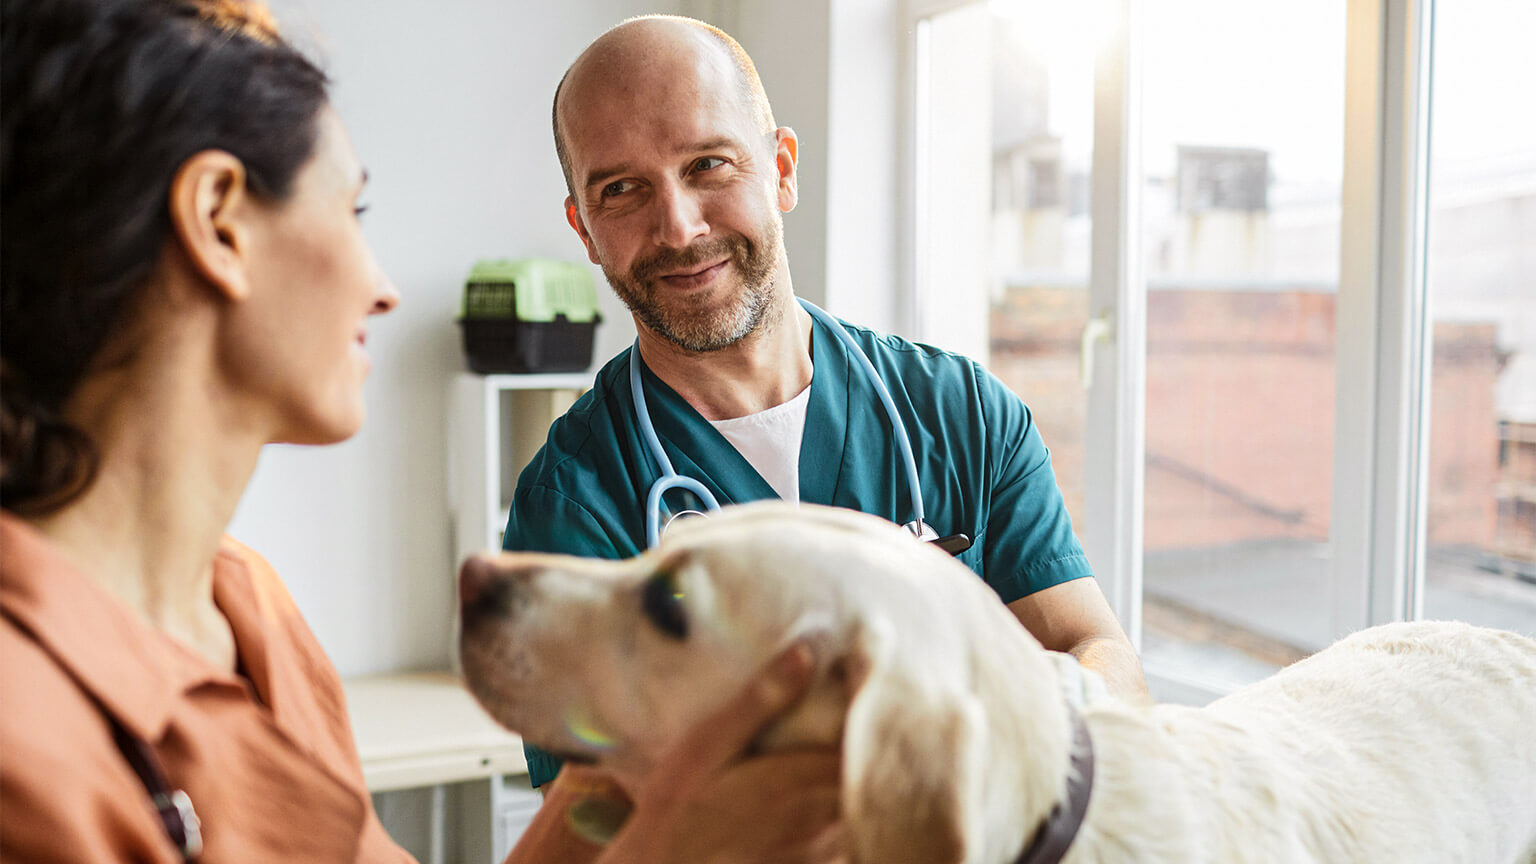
{"points": [[42, 459]]}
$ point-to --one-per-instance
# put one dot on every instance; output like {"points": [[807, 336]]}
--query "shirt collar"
{"points": [[699, 450], [133, 669], [824, 444]]}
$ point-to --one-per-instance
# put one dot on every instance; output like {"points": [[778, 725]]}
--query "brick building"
{"points": [[1240, 414]]}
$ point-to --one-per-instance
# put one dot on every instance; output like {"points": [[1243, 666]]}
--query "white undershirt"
{"points": [[770, 442]]}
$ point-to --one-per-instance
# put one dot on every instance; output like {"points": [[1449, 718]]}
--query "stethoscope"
{"points": [[670, 479]]}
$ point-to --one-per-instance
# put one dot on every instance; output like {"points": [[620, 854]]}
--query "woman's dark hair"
{"points": [[101, 101]]}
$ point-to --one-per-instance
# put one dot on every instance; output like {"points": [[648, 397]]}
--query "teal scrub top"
{"points": [[984, 469]]}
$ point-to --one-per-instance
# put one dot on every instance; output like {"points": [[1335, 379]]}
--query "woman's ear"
{"points": [[209, 209]]}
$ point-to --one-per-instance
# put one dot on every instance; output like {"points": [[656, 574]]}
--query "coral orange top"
{"points": [[266, 757]]}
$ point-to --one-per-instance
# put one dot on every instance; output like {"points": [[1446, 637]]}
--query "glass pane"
{"points": [[1243, 151], [1026, 96], [1042, 149], [1481, 522]]}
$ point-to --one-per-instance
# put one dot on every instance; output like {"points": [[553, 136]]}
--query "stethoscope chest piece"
{"points": [[681, 514], [954, 544]]}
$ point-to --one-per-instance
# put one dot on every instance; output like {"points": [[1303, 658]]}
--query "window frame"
{"points": [[1378, 509]]}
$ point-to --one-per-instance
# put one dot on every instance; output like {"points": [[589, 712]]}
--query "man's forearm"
{"points": [[1115, 662]]}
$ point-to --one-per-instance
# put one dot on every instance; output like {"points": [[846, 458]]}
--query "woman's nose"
{"points": [[388, 296]]}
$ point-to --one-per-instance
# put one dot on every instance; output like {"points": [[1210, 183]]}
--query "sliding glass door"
{"points": [[1279, 361], [1242, 170], [1480, 524]]}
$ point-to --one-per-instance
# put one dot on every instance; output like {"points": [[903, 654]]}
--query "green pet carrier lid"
{"points": [[533, 290]]}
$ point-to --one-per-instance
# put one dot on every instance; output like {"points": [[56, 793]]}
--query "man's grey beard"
{"points": [[690, 327]]}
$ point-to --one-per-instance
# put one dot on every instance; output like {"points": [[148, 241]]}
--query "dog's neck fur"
{"points": [[1054, 837]]}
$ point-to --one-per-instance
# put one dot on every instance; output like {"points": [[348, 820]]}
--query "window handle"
{"points": [[1099, 329]]}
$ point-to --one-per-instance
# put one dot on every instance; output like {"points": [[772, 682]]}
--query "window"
{"points": [[1242, 163], [1480, 555], [1024, 196], [1332, 388]]}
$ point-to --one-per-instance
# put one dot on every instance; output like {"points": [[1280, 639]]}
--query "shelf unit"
{"points": [[480, 799], [495, 425]]}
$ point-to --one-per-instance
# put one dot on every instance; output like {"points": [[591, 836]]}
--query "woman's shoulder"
{"points": [[256, 600], [271, 592]]}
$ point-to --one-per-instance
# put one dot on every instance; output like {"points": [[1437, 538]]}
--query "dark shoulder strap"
{"points": [[173, 805]]}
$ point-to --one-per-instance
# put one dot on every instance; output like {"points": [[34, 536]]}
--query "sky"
{"points": [[1268, 75], [1209, 76]]}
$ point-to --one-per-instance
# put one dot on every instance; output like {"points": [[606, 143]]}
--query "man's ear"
{"points": [[573, 216], [786, 156], [209, 205]]}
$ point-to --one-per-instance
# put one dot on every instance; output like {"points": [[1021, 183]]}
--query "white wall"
{"points": [[832, 69], [448, 105]]}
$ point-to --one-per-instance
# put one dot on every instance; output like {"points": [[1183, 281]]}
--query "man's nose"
{"points": [[679, 216]]}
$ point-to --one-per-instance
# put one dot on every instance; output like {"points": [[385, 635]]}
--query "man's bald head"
{"points": [[636, 43]]}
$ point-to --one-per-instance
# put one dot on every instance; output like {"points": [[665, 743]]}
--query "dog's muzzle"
{"points": [[488, 595]]}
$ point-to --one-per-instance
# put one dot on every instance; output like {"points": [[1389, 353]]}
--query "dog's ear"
{"points": [[907, 751]]}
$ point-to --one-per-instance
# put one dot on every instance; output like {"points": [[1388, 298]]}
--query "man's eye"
{"points": [[662, 601], [617, 187], [707, 162]]}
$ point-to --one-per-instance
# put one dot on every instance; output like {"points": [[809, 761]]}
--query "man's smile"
{"points": [[696, 278]]}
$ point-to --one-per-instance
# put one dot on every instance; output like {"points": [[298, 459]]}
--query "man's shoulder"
{"points": [[901, 349], [918, 365], [936, 374]]}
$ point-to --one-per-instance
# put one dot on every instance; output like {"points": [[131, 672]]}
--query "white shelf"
{"points": [[495, 424], [552, 381], [424, 730]]}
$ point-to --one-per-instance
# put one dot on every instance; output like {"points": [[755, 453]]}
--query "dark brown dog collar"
{"points": [[1055, 835]]}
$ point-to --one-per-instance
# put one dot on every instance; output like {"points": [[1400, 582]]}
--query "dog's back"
{"points": [[1404, 743]]}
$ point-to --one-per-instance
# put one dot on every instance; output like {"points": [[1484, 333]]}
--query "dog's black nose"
{"points": [[475, 577]]}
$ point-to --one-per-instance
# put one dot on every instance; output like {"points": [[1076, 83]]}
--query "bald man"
{"points": [[678, 178]]}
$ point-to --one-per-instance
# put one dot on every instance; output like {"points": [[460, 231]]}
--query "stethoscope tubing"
{"points": [[670, 479], [903, 440]]}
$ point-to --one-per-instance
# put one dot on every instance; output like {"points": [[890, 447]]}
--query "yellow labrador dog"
{"points": [[1404, 743]]}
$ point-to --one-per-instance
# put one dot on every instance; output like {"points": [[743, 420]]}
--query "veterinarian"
{"points": [[677, 176], [184, 280]]}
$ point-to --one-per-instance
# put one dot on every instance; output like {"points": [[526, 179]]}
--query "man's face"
{"points": [[678, 193]]}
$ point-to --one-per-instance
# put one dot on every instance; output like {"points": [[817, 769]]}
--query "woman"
{"points": [[183, 280]]}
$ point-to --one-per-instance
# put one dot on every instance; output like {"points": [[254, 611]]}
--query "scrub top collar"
{"points": [[698, 450]]}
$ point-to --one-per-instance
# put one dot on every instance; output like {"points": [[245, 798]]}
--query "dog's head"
{"points": [[610, 661]]}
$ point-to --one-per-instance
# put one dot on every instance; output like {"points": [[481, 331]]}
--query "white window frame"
{"points": [[1381, 419], [1380, 440]]}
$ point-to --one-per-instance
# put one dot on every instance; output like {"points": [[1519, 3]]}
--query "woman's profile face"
{"points": [[296, 344]]}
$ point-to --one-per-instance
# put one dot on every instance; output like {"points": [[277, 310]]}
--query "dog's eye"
{"points": [[662, 601]]}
